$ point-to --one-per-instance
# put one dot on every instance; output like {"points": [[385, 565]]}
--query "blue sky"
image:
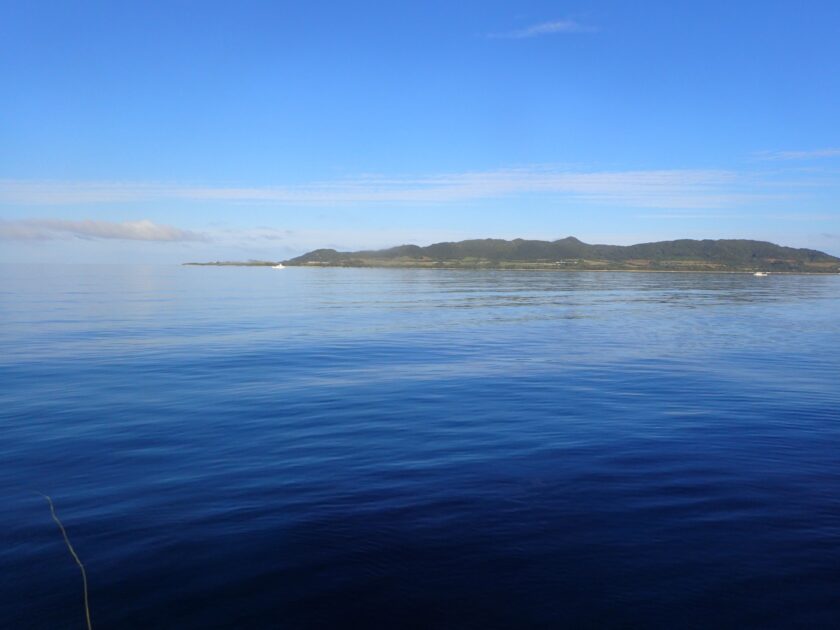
{"points": [[171, 131]]}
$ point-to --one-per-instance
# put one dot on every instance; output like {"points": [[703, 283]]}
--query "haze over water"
{"points": [[245, 447]]}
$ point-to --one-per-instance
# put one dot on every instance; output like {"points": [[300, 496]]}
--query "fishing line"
{"points": [[75, 557]]}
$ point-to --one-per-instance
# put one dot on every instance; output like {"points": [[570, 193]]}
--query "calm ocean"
{"points": [[336, 448]]}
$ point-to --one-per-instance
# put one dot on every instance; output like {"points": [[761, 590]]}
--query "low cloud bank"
{"points": [[51, 229]]}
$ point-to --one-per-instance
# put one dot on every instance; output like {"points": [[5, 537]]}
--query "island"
{"points": [[571, 254]]}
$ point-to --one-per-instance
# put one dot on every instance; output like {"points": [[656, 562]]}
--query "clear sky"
{"points": [[170, 131]]}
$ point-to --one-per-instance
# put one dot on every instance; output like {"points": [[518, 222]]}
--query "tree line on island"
{"points": [[573, 254]]}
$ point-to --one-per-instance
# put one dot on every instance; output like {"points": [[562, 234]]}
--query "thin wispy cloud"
{"points": [[51, 229], [785, 216], [690, 217], [674, 189], [555, 27], [799, 155]]}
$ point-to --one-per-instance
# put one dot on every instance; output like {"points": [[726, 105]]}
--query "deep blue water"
{"points": [[251, 448]]}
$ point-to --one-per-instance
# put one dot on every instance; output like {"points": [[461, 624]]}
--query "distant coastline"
{"points": [[571, 254], [233, 263]]}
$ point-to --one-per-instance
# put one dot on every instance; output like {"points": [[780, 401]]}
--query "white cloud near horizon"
{"points": [[674, 189], [799, 155], [52, 229], [545, 28]]}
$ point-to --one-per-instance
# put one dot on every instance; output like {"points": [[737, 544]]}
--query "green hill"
{"points": [[571, 253]]}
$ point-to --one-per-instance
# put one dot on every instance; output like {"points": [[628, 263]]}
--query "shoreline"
{"points": [[544, 269]]}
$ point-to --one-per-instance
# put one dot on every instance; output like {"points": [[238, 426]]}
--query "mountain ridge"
{"points": [[572, 253]]}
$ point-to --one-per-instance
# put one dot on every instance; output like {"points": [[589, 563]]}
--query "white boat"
{"points": [[761, 274], [279, 266]]}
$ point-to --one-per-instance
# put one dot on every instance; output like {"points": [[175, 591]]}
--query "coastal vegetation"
{"points": [[573, 254]]}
